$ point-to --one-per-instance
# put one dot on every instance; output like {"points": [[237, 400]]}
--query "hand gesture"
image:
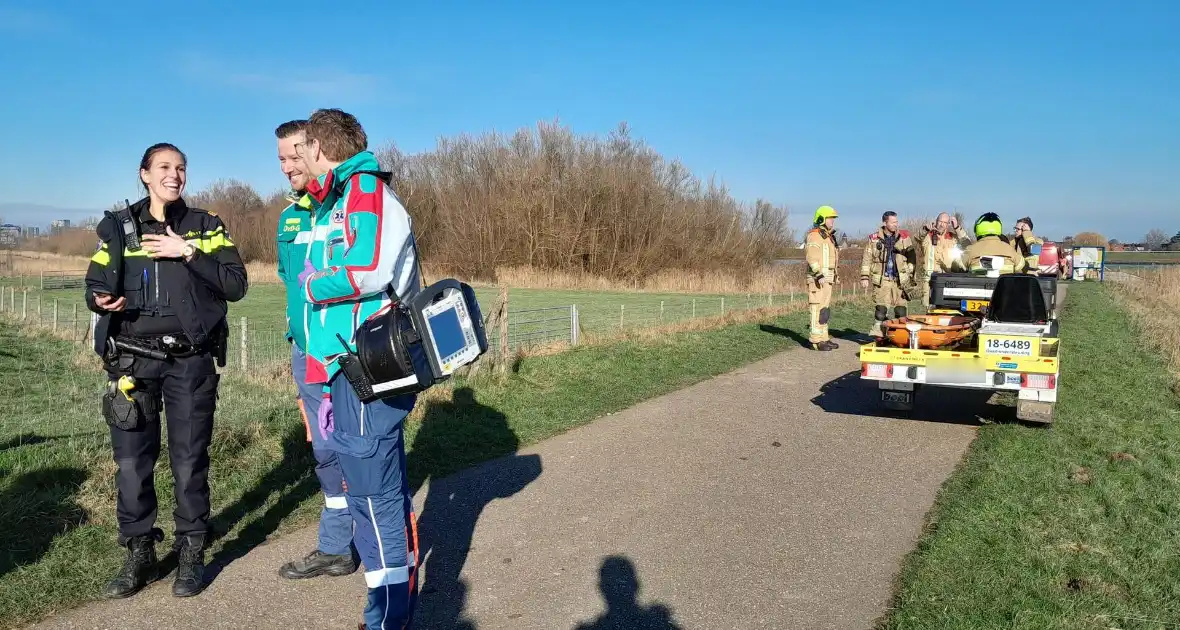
{"points": [[107, 302], [169, 245], [954, 223]]}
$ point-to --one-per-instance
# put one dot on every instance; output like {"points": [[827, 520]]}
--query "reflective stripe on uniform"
{"points": [[208, 242]]}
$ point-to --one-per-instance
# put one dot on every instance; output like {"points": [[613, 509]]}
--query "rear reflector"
{"points": [[1038, 381], [876, 370]]}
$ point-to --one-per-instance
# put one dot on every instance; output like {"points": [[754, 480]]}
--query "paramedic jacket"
{"points": [[168, 295]]}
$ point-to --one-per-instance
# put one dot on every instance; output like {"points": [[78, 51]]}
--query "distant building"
{"points": [[58, 225], [9, 235], [32, 231]]}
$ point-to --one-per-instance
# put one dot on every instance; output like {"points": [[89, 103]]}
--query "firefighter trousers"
{"points": [[186, 388], [335, 534], [369, 439], [819, 304]]}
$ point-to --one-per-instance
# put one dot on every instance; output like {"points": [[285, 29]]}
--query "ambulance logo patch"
{"points": [[338, 216]]}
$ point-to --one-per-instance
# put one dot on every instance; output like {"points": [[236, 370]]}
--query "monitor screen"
{"points": [[448, 334]]}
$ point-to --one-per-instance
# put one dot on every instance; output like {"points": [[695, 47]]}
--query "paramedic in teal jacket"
{"points": [[361, 251], [333, 554]]}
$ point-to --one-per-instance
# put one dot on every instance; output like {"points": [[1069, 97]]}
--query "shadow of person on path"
{"points": [[848, 334], [618, 581], [35, 508], [24, 439], [851, 395], [453, 436], [292, 478]]}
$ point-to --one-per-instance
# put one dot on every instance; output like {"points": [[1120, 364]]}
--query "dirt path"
{"points": [[770, 497]]}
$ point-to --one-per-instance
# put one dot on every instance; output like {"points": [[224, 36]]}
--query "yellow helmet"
{"points": [[823, 213], [988, 225]]}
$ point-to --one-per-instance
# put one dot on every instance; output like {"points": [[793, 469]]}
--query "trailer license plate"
{"points": [[1008, 347], [897, 397], [973, 306]]}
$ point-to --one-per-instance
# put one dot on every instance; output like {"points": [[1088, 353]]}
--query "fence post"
{"points": [[12, 298], [504, 328], [55, 315], [661, 311], [93, 324], [74, 323], [722, 305], [24, 305], [621, 308], [573, 324], [245, 359], [40, 319], [694, 308], [2, 300], [42, 280]]}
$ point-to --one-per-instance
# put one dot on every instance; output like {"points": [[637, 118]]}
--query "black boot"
{"points": [[140, 567], [318, 563], [190, 569]]}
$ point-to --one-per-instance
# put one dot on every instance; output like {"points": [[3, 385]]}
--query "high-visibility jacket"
{"points": [[1029, 247], [937, 249], [883, 247], [990, 246], [823, 256]]}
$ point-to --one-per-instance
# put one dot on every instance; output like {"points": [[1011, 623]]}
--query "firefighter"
{"points": [[1028, 245], [941, 241], [886, 267], [822, 260], [989, 249]]}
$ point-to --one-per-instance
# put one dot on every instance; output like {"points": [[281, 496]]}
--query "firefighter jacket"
{"points": [[972, 261], [937, 249], [823, 256], [167, 295], [1029, 247], [886, 257]]}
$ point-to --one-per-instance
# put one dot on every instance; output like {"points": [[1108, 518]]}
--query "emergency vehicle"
{"points": [[994, 333]]}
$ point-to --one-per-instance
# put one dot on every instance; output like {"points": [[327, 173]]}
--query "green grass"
{"points": [[56, 473], [598, 312], [1072, 527], [1142, 257]]}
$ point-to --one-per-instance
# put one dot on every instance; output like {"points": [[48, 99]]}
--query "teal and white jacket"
{"points": [[362, 250]]}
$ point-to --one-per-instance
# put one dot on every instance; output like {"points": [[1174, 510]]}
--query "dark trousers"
{"points": [[187, 387]]}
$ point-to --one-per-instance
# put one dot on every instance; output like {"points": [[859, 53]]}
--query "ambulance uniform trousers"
{"points": [[819, 304], [187, 389], [370, 441], [335, 536]]}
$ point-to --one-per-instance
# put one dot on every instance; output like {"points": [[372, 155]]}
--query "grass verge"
{"points": [[57, 476], [1073, 527]]}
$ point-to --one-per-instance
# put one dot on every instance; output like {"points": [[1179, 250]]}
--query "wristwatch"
{"points": [[189, 251]]}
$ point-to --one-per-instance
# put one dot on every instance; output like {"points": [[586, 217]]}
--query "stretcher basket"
{"points": [[932, 331]]}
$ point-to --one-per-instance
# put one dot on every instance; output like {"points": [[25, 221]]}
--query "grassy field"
{"points": [[56, 471], [1143, 257], [535, 316], [1073, 527]]}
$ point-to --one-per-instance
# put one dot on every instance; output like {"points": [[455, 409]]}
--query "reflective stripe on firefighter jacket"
{"points": [[990, 246], [885, 258], [822, 254], [937, 249]]}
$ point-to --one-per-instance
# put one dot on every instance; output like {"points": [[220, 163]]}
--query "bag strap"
{"points": [[387, 177]]}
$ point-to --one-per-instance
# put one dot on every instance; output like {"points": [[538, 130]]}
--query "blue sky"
{"points": [[1065, 111]]}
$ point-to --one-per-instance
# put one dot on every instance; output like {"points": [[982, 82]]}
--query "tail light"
{"points": [[877, 370], [1038, 381]]}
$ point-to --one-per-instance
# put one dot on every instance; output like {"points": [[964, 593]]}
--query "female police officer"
{"points": [[160, 280]]}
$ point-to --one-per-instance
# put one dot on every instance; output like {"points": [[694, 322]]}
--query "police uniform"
{"points": [[886, 266], [179, 308]]}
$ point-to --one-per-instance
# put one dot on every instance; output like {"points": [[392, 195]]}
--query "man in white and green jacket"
{"points": [[360, 257], [333, 554]]}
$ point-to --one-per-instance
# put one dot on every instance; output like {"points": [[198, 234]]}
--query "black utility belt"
{"points": [[160, 347]]}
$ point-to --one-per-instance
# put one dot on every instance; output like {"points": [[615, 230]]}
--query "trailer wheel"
{"points": [[1035, 411]]}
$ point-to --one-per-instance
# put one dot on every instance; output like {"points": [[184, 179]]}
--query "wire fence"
{"points": [[256, 345]]}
